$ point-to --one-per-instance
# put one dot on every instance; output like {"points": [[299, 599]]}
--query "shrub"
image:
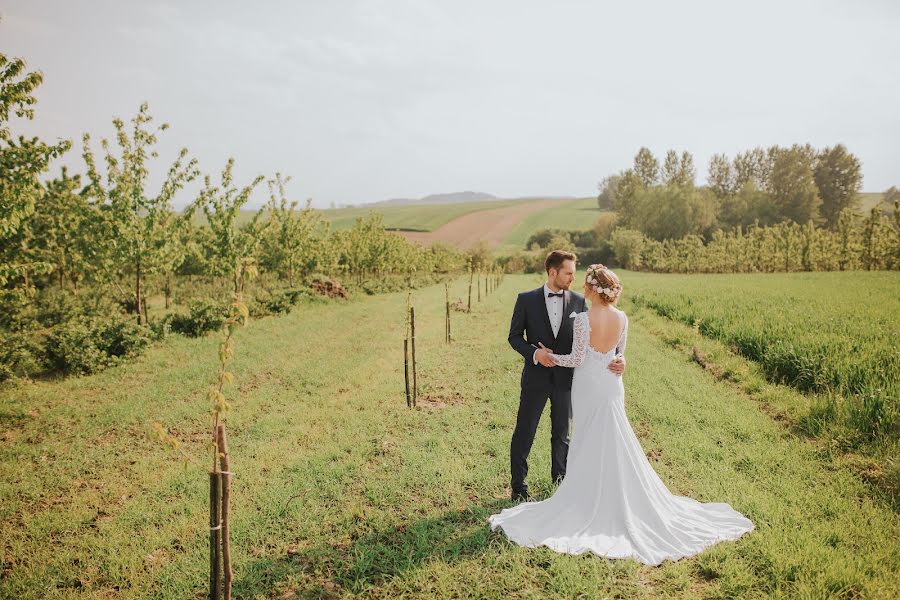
{"points": [[87, 345], [21, 355], [161, 328], [205, 316], [627, 245]]}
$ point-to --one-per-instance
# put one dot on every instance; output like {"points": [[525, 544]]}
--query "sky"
{"points": [[360, 101]]}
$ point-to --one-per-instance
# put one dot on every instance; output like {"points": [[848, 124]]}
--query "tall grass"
{"points": [[830, 333]]}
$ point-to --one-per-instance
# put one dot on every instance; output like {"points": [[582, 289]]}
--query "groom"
{"points": [[541, 324]]}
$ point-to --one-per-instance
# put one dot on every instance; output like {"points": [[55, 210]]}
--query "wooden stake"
{"points": [[215, 590], [412, 323], [225, 510], [406, 371], [479, 286], [471, 275], [447, 311]]}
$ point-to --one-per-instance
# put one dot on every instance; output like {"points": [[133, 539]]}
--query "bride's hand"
{"points": [[544, 357]]}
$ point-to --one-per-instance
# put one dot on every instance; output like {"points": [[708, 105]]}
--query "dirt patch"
{"points": [[329, 287], [491, 226]]}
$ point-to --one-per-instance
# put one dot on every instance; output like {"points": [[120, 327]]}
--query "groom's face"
{"points": [[563, 277]]}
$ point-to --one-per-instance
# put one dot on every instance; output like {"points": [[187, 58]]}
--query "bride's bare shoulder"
{"points": [[620, 313]]}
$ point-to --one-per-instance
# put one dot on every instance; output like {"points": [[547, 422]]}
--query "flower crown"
{"points": [[593, 278]]}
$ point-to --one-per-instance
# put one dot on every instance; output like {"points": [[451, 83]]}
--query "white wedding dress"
{"points": [[611, 501]]}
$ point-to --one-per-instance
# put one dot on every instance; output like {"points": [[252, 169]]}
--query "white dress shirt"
{"points": [[554, 311]]}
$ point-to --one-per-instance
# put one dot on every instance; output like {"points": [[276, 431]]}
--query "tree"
{"points": [[677, 171], [21, 162], [606, 200], [753, 166], [849, 243], [139, 225], [876, 240], [228, 245], [793, 187], [604, 226], [838, 177], [670, 212], [291, 239], [62, 224], [721, 178], [646, 167], [747, 206]]}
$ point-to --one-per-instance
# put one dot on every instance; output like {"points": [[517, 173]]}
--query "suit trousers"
{"points": [[531, 406]]}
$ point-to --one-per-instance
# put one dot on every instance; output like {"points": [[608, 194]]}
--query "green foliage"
{"points": [[646, 167], [141, 229], [21, 355], [672, 211], [627, 247], [226, 244], [21, 162], [838, 177], [203, 316], [293, 243], [90, 344], [678, 172], [800, 332], [606, 199], [793, 186]]}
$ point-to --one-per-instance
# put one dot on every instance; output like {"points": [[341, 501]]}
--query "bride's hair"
{"points": [[604, 283]]}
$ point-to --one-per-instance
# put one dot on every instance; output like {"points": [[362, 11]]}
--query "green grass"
{"points": [[578, 214], [340, 490], [814, 331]]}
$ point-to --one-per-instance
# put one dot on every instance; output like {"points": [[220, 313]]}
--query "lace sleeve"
{"points": [[623, 339], [579, 344]]}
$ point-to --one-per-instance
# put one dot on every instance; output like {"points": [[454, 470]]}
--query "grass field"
{"points": [[814, 331], [578, 214], [341, 491]]}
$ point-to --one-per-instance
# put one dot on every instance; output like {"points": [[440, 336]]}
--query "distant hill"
{"points": [[451, 198]]}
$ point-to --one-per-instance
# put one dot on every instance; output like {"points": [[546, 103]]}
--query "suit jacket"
{"points": [[530, 324]]}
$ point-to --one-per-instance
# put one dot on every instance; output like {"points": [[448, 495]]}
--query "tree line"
{"points": [[775, 209]]}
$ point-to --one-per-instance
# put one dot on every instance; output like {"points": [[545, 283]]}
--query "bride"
{"points": [[611, 501]]}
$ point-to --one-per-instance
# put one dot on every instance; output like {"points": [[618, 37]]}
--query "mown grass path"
{"points": [[340, 490]]}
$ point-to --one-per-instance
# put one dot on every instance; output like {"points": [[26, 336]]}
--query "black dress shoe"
{"points": [[521, 496]]}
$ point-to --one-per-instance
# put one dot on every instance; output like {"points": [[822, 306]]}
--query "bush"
{"points": [[161, 328], [205, 316], [21, 355], [90, 344], [627, 245]]}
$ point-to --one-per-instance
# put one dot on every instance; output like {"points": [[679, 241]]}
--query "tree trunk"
{"points": [[138, 293], [168, 289]]}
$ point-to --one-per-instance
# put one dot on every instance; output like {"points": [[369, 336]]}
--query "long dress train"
{"points": [[612, 502]]}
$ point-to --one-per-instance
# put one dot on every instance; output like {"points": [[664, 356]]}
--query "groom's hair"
{"points": [[556, 258]]}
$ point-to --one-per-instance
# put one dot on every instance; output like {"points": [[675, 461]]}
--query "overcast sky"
{"points": [[367, 100]]}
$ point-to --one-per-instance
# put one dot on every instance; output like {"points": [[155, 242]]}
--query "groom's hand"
{"points": [[543, 356], [617, 365]]}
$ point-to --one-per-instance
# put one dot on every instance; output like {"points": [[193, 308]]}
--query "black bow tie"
{"points": [[552, 295]]}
